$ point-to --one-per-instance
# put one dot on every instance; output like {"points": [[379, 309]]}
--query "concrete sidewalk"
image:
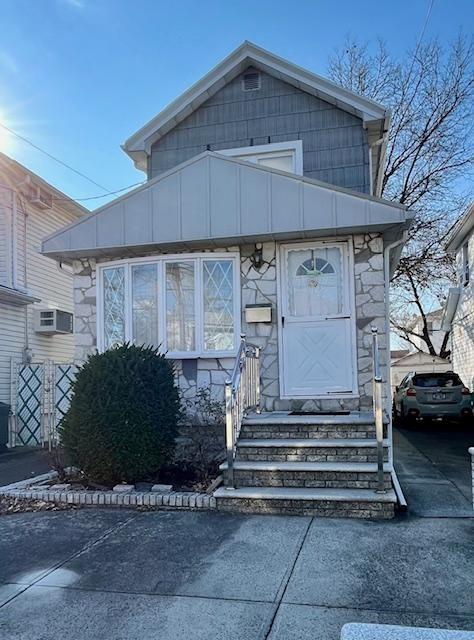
{"points": [[123, 575]]}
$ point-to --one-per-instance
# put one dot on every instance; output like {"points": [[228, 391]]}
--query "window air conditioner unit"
{"points": [[53, 321]]}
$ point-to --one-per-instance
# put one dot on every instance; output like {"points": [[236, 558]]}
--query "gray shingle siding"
{"points": [[335, 147]]}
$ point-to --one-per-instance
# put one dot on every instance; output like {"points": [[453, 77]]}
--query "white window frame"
{"points": [[293, 148], [197, 259]]}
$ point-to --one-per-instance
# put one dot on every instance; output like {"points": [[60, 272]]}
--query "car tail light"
{"points": [[411, 392], [465, 391]]}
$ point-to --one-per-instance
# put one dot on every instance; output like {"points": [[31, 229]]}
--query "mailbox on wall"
{"points": [[258, 313]]}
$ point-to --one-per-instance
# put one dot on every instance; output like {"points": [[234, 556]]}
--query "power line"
{"points": [[64, 164], [104, 195], [110, 193]]}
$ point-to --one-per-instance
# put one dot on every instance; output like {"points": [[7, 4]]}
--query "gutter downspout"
{"points": [[388, 387], [375, 185]]}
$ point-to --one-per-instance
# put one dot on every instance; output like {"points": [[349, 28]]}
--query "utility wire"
{"points": [[104, 195], [64, 164]]}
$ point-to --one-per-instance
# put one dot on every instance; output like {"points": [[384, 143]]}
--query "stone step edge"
{"points": [[360, 443], [316, 495], [347, 467], [284, 418]]}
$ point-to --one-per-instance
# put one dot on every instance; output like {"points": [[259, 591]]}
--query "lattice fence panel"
{"points": [[29, 404], [64, 376], [42, 397]]}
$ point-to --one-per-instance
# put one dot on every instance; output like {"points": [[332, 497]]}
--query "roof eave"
{"points": [[461, 229]]}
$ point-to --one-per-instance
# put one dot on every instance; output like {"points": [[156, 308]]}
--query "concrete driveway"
{"points": [[123, 575], [434, 469]]}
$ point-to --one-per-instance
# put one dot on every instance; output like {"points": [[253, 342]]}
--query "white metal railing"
{"points": [[242, 392], [378, 409]]}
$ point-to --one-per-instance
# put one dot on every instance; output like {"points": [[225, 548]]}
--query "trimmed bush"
{"points": [[122, 421]]}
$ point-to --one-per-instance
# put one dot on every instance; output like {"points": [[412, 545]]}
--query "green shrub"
{"points": [[122, 421]]}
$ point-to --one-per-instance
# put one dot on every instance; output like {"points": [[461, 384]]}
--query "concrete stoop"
{"points": [[308, 465]]}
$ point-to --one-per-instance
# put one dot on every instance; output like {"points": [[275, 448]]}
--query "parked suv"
{"points": [[432, 396]]}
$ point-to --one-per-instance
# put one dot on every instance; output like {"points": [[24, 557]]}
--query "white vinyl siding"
{"points": [[41, 278], [462, 327]]}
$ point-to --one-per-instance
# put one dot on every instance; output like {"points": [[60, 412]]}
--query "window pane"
{"points": [[218, 303], [114, 306], [180, 314], [315, 282], [144, 305], [283, 162]]}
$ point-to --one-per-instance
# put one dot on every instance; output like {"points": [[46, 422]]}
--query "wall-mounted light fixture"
{"points": [[257, 256]]}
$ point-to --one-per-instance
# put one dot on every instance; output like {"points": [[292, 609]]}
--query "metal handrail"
{"points": [[242, 392], [378, 409]]}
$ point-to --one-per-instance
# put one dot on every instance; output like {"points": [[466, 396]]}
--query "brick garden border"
{"points": [[169, 500]]}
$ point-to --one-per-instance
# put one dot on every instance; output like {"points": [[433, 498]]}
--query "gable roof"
{"points": [[419, 357], [214, 200], [375, 116], [19, 173]]}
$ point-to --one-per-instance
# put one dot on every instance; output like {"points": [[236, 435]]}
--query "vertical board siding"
{"points": [[335, 148]]}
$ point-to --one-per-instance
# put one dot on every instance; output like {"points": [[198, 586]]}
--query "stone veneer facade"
{"points": [[261, 287]]}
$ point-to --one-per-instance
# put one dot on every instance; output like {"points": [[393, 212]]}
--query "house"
{"points": [[418, 361], [436, 332], [36, 293], [261, 215], [459, 309]]}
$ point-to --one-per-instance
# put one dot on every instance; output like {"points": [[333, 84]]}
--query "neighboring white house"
{"points": [[436, 332], [459, 309], [418, 361], [30, 209], [261, 215]]}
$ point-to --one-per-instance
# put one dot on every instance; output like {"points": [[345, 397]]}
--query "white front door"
{"points": [[317, 332]]}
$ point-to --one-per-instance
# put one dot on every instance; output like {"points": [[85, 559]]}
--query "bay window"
{"points": [[187, 305]]}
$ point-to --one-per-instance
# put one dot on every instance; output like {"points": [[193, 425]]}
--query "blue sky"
{"points": [[77, 77]]}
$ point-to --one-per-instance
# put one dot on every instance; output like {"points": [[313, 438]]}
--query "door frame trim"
{"points": [[280, 261]]}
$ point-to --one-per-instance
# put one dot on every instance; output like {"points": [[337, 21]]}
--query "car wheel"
{"points": [[406, 420], [396, 418]]}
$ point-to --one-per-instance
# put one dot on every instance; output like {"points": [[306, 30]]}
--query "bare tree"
{"points": [[430, 153]]}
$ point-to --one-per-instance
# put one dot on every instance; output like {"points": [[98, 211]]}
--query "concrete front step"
{"points": [[285, 425], [346, 475], [355, 503], [309, 450]]}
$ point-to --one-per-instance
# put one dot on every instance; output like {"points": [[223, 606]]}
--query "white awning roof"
{"points": [[215, 200]]}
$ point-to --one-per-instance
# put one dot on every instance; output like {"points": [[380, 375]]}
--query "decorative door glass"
{"points": [[315, 282], [114, 306], [144, 304], [180, 312], [218, 305]]}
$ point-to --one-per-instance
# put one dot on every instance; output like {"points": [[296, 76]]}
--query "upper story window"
{"points": [[465, 273], [188, 305], [286, 156]]}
